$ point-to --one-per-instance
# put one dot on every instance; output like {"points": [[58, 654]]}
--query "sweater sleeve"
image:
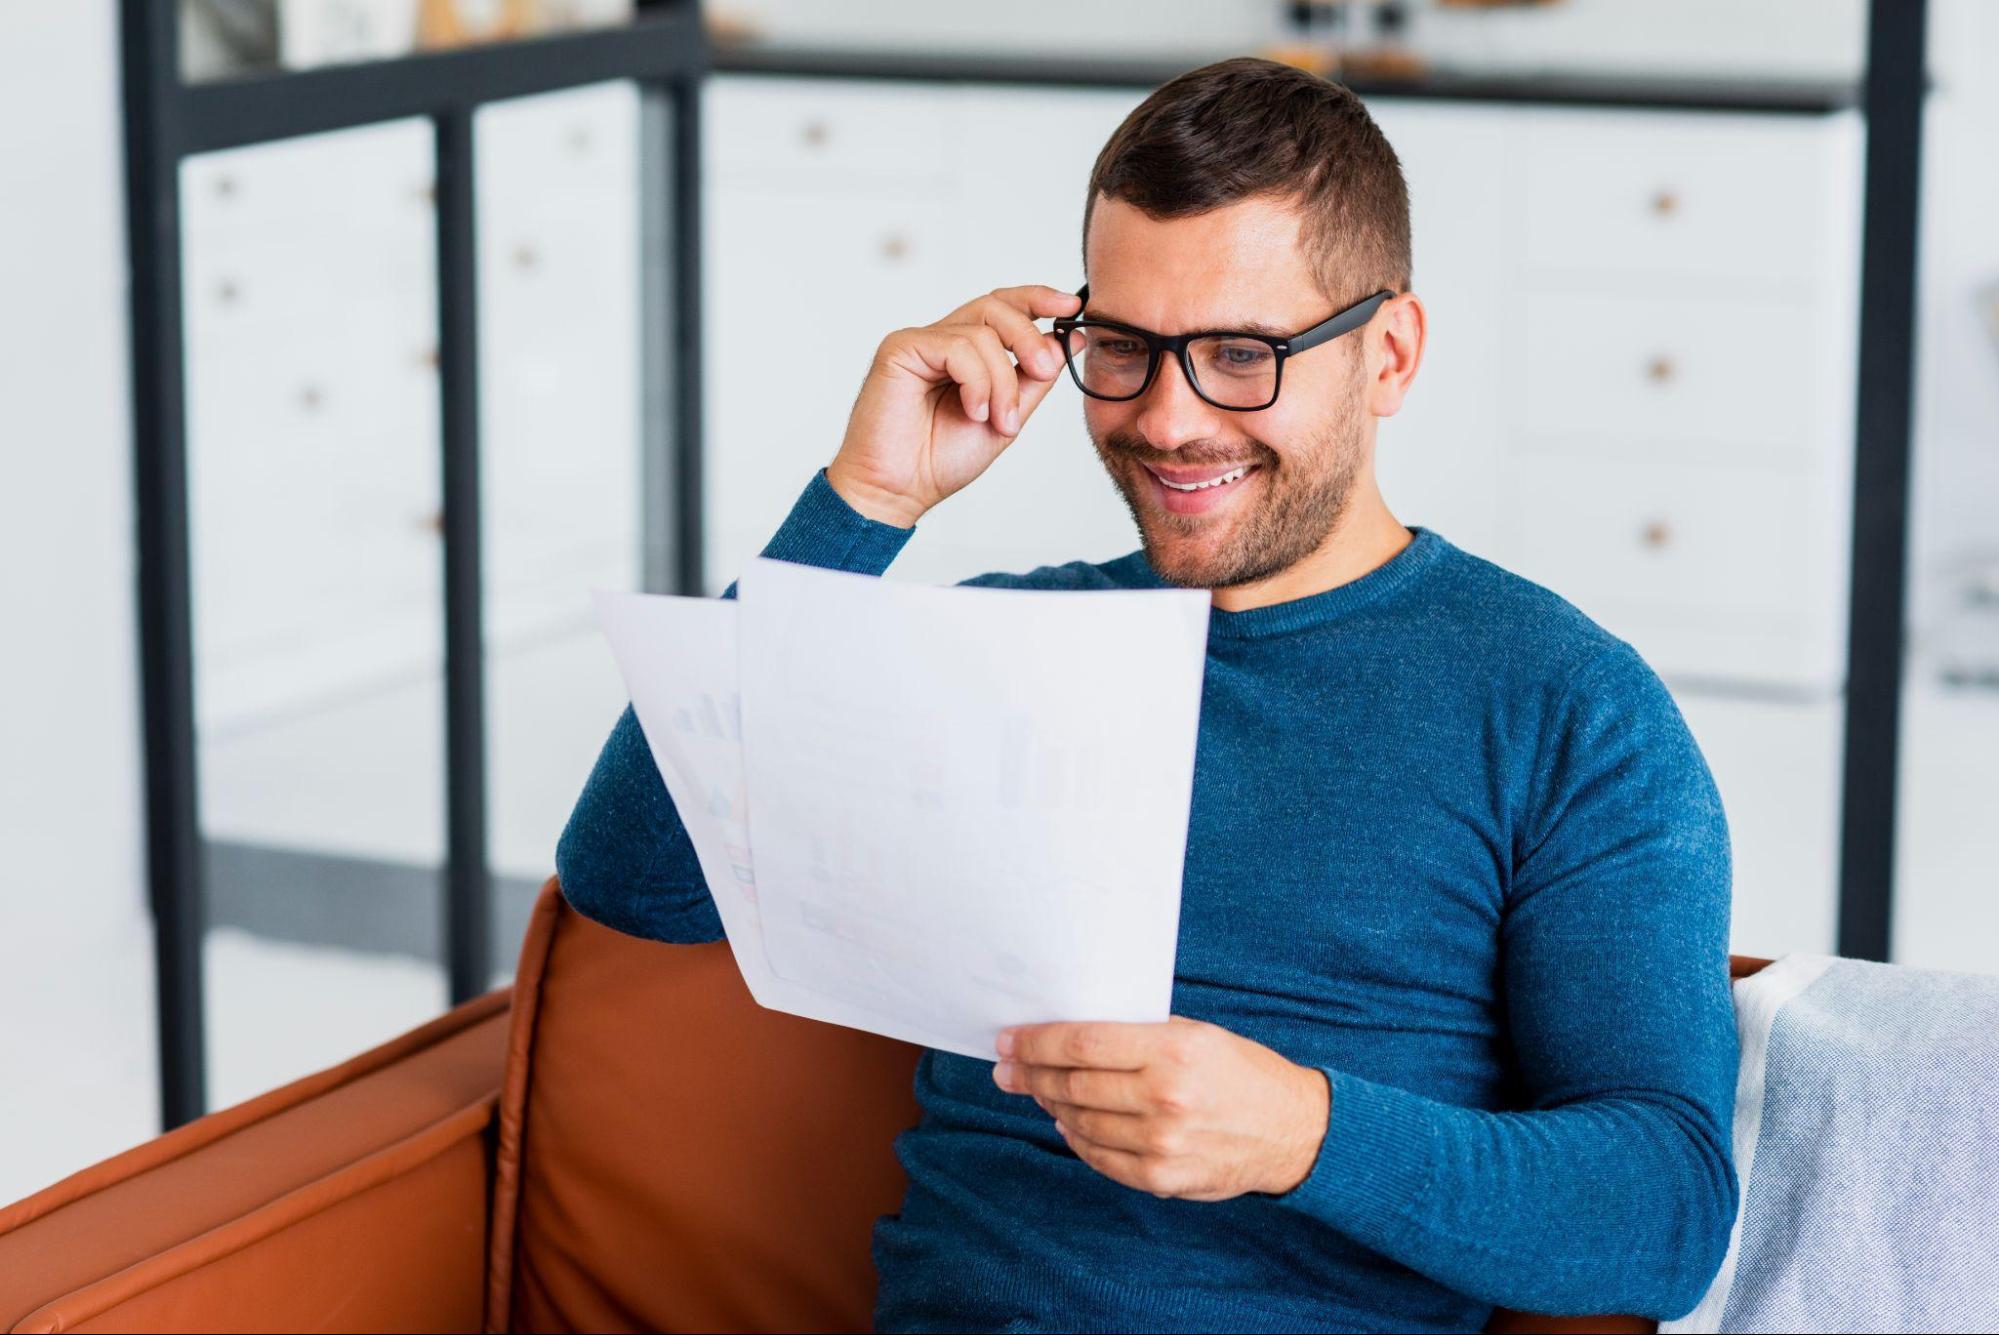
{"points": [[624, 858], [1614, 1190]]}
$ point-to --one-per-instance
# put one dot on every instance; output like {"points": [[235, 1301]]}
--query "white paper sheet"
{"points": [[968, 807], [678, 659]]}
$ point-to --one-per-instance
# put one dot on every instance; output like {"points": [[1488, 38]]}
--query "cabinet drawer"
{"points": [[1740, 371], [1751, 199], [828, 129], [1714, 572], [378, 178]]}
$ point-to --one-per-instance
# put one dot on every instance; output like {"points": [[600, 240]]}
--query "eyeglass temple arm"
{"points": [[1353, 317], [1083, 295]]}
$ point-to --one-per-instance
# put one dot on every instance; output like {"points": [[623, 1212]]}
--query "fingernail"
{"points": [[1010, 421], [1004, 1044], [982, 412], [1003, 1075]]}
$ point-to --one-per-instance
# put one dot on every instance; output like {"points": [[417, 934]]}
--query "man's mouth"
{"points": [[1198, 490]]}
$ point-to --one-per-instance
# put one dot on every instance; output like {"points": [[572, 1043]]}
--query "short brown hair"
{"points": [[1244, 127]]}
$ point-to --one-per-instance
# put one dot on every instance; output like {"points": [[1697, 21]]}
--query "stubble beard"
{"points": [[1305, 496]]}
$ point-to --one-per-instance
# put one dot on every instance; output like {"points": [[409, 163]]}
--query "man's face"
{"points": [[1236, 268]]}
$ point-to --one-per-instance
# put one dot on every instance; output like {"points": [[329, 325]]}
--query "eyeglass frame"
{"points": [[1328, 329]]}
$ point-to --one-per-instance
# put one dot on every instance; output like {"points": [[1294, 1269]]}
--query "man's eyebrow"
{"points": [[1244, 327]]}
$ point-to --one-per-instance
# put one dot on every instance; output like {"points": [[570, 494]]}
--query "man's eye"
{"points": [[1238, 358], [1121, 347]]}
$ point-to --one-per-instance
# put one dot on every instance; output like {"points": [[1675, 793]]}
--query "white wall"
{"points": [[71, 832]]}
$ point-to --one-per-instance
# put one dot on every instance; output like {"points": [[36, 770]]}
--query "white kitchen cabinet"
{"points": [[1733, 201], [783, 367], [315, 467], [312, 419], [1678, 414], [562, 503]]}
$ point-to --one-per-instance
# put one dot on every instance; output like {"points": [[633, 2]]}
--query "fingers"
{"points": [[1112, 1130], [1001, 362], [958, 355], [1036, 300], [1039, 355], [1001, 375], [973, 356], [1131, 1169], [1103, 1045], [1119, 1091]]}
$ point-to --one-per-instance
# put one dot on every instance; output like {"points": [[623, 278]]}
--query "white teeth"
{"points": [[1224, 479]]}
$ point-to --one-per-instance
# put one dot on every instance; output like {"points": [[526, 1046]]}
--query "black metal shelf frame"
{"points": [[665, 53]]}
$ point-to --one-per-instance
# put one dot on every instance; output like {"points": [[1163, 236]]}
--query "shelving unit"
{"points": [[664, 52]]}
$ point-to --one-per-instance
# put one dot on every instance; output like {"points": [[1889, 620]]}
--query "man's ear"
{"points": [[1392, 349]]}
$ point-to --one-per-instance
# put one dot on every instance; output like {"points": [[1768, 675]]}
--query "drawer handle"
{"points": [[815, 134], [896, 247], [1660, 370], [1666, 203], [1656, 535]]}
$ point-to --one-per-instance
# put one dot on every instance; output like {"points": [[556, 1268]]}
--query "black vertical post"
{"points": [[687, 340], [467, 926], [659, 458], [151, 63], [1894, 103]]}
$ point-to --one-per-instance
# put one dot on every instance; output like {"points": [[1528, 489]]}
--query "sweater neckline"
{"points": [[1328, 605]]}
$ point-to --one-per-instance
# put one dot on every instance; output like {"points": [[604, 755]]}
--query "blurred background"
{"points": [[345, 345]]}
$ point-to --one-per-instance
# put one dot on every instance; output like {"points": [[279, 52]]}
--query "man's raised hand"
{"points": [[941, 401]]}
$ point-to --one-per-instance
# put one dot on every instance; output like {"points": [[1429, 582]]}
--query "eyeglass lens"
{"points": [[1111, 363]]}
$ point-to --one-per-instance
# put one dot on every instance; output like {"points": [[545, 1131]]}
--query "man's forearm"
{"points": [[1613, 1205]]}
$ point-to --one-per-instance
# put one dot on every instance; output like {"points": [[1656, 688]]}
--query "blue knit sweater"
{"points": [[1450, 843]]}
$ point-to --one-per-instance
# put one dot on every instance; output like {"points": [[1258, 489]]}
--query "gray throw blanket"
{"points": [[1867, 1140]]}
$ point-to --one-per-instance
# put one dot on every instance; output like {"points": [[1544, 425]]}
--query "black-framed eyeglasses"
{"points": [[1227, 368]]}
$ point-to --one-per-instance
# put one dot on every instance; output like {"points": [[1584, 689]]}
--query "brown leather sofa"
{"points": [[622, 1140]]}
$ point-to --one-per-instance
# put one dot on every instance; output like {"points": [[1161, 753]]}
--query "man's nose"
{"points": [[1171, 413]]}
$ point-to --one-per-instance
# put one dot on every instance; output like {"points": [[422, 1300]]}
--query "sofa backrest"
{"points": [[674, 1157]]}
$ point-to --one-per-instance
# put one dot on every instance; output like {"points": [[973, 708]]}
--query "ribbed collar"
{"points": [[1317, 609]]}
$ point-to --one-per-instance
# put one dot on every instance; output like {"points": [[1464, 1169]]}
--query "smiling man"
{"points": [[1452, 1027]]}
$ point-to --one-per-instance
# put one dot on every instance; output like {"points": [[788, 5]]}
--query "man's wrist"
{"points": [[870, 501], [1315, 1109]]}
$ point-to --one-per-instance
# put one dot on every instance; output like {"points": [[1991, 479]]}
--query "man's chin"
{"points": [[1191, 563]]}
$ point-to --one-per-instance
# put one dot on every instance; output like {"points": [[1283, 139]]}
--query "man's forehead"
{"points": [[1237, 267]]}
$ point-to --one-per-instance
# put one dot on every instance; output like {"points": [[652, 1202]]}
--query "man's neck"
{"points": [[1364, 540]]}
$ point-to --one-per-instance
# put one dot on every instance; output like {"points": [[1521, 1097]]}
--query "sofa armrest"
{"points": [[353, 1199]]}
